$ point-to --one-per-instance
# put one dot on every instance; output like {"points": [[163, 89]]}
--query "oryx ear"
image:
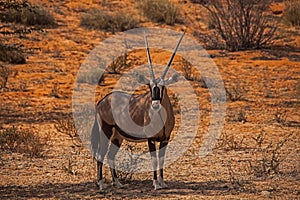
{"points": [[172, 79], [142, 79]]}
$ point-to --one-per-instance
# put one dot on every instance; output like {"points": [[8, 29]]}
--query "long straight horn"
{"points": [[149, 59], [172, 57]]}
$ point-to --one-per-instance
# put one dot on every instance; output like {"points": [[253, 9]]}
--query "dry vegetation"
{"points": [[43, 43]]}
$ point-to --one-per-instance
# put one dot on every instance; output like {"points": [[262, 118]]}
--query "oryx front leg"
{"points": [[153, 154], [161, 161]]}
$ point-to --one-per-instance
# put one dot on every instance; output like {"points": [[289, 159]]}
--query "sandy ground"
{"points": [[265, 79]]}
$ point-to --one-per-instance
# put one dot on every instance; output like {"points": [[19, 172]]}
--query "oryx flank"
{"points": [[152, 110]]}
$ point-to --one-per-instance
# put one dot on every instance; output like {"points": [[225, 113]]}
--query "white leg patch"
{"points": [[161, 182], [156, 185], [117, 183], [101, 185]]}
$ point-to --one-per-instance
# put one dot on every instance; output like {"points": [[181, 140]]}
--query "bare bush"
{"points": [[118, 64], [269, 157], [235, 93], [55, 90], [241, 24], [66, 126], [21, 141], [291, 12], [113, 22], [161, 11], [229, 142]]}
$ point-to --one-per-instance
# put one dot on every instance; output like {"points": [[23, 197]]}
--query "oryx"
{"points": [[151, 109]]}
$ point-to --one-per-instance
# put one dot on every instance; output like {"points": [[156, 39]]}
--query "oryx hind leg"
{"points": [[114, 147], [105, 133]]}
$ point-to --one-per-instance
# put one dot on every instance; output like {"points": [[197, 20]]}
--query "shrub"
{"points": [[241, 24], [24, 13], [119, 64], [269, 157], [292, 13], [12, 53], [98, 19], [4, 74], [66, 126], [21, 141], [159, 11]]}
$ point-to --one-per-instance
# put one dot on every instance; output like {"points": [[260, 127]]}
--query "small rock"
{"points": [[265, 193]]}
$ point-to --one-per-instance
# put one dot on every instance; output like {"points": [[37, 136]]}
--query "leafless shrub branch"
{"points": [[242, 24], [120, 63], [65, 125], [270, 158], [229, 142]]}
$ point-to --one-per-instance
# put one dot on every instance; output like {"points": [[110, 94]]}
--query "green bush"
{"points": [[162, 11], [292, 12], [101, 20]]}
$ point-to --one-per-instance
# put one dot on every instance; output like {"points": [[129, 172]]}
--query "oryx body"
{"points": [[136, 118]]}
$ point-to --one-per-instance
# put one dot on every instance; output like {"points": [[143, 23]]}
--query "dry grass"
{"points": [[161, 11], [291, 12], [112, 22], [4, 74], [24, 13], [21, 141]]}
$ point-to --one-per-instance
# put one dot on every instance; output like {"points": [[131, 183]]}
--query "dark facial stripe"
{"points": [[156, 93]]}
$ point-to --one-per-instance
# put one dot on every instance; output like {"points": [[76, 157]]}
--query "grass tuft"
{"points": [[161, 11], [101, 20]]}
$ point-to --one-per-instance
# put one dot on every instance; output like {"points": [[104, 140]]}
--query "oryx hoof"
{"points": [[156, 185], [162, 183], [101, 186], [117, 184]]}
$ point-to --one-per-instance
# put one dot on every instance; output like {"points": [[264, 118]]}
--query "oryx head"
{"points": [[157, 85]]}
